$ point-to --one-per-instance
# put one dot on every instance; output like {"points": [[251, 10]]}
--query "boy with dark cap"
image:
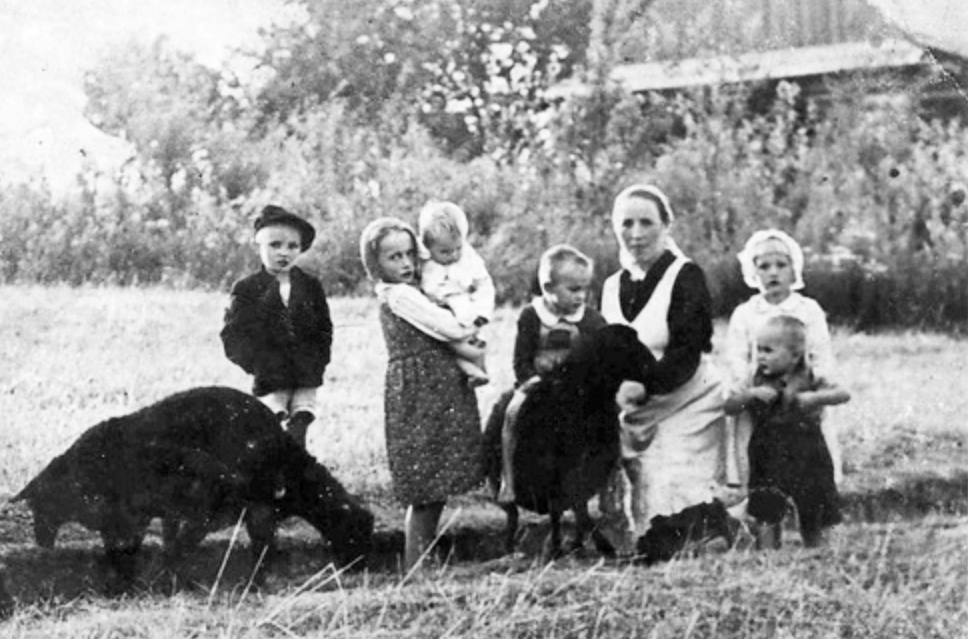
{"points": [[278, 327]]}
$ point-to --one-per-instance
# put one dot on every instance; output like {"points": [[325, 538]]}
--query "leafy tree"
{"points": [[183, 120], [492, 58]]}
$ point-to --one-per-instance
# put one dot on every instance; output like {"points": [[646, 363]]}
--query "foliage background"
{"points": [[370, 108]]}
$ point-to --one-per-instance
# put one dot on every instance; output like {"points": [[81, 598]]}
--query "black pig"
{"points": [[199, 460]]}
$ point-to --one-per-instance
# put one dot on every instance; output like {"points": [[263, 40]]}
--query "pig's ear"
{"points": [[279, 486]]}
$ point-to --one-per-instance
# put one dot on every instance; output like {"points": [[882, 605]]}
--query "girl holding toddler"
{"points": [[432, 422]]}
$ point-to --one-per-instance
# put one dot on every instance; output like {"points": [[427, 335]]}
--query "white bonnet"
{"points": [[754, 248]]}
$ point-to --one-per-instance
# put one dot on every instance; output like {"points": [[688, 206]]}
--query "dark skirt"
{"points": [[792, 460]]}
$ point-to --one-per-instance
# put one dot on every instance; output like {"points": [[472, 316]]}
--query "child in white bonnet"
{"points": [[772, 263]]}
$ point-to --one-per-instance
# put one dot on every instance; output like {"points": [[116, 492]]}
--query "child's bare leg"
{"points": [[733, 477], [420, 530], [303, 413], [509, 440], [831, 439], [742, 429], [637, 503], [471, 349], [471, 358]]}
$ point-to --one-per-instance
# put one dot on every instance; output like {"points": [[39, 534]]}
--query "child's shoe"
{"points": [[298, 426]]}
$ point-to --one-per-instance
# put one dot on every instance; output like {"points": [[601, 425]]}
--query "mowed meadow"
{"points": [[71, 357]]}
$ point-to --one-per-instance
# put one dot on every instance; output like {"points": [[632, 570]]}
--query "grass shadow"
{"points": [[909, 496], [74, 568]]}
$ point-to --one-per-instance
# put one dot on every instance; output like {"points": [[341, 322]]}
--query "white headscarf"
{"points": [[370, 239], [763, 242], [626, 259]]}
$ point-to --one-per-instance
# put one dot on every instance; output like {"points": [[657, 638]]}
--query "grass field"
{"points": [[898, 567]]}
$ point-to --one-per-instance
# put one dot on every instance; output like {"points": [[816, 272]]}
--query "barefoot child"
{"points": [[772, 262], [454, 276], [788, 456], [433, 434], [547, 329], [277, 327]]}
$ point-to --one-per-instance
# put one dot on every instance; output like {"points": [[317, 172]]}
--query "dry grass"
{"points": [[73, 357]]}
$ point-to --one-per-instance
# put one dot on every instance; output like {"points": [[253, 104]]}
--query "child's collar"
{"points": [[788, 305], [549, 317]]}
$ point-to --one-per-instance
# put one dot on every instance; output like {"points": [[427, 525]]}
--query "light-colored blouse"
{"points": [[409, 304], [464, 286], [750, 316]]}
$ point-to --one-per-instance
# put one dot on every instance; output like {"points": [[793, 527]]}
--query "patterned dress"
{"points": [[433, 427]]}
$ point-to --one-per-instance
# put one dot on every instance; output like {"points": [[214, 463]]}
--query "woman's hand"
{"points": [[631, 395]]}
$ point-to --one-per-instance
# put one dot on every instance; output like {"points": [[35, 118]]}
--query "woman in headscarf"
{"points": [[673, 428]]}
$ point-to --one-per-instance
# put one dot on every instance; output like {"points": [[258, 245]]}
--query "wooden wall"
{"points": [[678, 29]]}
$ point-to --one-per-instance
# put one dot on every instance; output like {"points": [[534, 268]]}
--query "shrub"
{"points": [[875, 195]]}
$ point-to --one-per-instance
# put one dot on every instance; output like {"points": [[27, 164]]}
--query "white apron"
{"points": [[673, 446]]}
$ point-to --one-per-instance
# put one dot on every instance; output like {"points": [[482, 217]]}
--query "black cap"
{"points": [[273, 215]]}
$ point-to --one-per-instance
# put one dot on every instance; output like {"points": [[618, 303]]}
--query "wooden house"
{"points": [[681, 44]]}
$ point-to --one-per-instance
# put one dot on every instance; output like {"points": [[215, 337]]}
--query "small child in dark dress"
{"points": [[277, 327], [789, 459], [548, 328]]}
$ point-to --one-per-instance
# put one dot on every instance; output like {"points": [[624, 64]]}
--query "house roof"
{"points": [[761, 65], [939, 24]]}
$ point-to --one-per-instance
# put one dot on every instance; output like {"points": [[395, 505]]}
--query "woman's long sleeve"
{"points": [[690, 332]]}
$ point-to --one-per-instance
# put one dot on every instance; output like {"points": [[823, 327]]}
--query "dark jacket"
{"points": [[281, 347], [530, 341]]}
